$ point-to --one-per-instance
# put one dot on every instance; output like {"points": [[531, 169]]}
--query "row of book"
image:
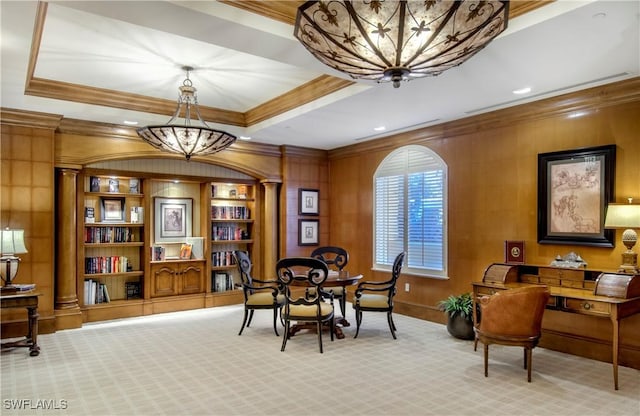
{"points": [[229, 212], [221, 282], [222, 258], [104, 264], [108, 235], [224, 232], [95, 292]]}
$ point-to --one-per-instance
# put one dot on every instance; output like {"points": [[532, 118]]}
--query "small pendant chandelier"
{"points": [[186, 139], [398, 40]]}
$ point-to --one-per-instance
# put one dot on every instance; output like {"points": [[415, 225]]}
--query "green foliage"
{"points": [[462, 304]]}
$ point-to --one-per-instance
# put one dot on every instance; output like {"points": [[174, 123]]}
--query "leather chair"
{"points": [[336, 258], [310, 307], [512, 317], [258, 294], [378, 296]]}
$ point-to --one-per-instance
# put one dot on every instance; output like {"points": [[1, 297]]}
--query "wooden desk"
{"points": [[343, 279], [571, 297], [27, 300]]}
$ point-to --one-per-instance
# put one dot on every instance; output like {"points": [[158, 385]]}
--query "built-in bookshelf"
{"points": [[232, 217], [111, 253]]}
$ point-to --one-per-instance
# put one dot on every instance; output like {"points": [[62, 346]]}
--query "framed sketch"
{"points": [[307, 232], [308, 203], [172, 219], [574, 188], [112, 209]]}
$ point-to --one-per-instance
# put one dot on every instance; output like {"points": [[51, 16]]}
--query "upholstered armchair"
{"points": [[337, 259], [301, 304], [258, 294], [373, 296], [513, 317]]}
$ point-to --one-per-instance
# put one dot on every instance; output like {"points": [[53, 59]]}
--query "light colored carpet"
{"points": [[194, 363]]}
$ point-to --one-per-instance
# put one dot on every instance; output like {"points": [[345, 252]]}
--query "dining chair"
{"points": [[303, 305], [513, 318], [373, 296], [258, 294], [337, 259]]}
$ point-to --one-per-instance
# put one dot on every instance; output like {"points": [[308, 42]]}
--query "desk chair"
{"points": [[513, 317], [337, 259], [310, 307], [258, 294], [378, 296]]}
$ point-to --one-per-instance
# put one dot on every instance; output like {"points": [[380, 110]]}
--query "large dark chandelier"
{"points": [[398, 40], [186, 139]]}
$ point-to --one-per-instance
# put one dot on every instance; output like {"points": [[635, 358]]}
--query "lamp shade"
{"points": [[12, 242], [623, 216]]}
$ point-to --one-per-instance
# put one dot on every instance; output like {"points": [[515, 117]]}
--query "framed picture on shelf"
{"points": [[134, 186], [308, 232], [94, 184], [172, 219], [574, 188], [308, 202], [112, 209], [114, 185]]}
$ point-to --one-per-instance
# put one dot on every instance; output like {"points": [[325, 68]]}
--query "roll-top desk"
{"points": [[588, 292]]}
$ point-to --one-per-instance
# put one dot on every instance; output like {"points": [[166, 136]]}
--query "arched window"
{"points": [[410, 211]]}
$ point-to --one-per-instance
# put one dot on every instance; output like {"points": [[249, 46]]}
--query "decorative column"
{"points": [[270, 230], [66, 289]]}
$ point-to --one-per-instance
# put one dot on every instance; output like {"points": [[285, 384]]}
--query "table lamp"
{"points": [[627, 217], [11, 243]]}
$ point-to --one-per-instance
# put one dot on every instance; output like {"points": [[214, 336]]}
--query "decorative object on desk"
{"points": [[112, 209], [574, 188], [459, 310], [134, 186], [571, 261], [308, 232], [397, 41], [11, 243], [137, 215], [308, 202], [114, 185], [626, 217], [186, 139], [172, 218], [514, 252], [89, 215], [185, 251], [94, 184]]}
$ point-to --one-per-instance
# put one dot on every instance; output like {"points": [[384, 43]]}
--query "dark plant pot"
{"points": [[460, 327]]}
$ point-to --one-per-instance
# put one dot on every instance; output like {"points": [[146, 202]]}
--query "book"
{"points": [[185, 251], [134, 186], [114, 185], [157, 253], [89, 215], [137, 215], [94, 184]]}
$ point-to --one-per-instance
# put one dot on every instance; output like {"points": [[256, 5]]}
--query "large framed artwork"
{"points": [[574, 188], [172, 219]]}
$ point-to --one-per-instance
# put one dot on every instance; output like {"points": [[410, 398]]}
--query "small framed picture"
{"points": [[112, 209], [514, 252], [94, 184], [134, 186], [114, 185], [307, 232], [308, 202]]}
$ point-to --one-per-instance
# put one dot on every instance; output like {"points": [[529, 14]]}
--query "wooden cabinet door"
{"points": [[192, 278], [164, 280]]}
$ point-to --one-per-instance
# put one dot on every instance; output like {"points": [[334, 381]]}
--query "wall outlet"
{"points": [[406, 287]]}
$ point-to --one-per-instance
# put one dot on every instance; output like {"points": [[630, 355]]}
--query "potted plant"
{"points": [[459, 310]]}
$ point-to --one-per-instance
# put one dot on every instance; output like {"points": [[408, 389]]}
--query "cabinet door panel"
{"points": [[164, 281], [192, 281]]}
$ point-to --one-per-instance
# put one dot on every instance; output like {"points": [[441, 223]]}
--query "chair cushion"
{"points": [[309, 311], [373, 301], [263, 298]]}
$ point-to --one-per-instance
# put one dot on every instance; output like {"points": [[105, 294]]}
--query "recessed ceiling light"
{"points": [[577, 114], [380, 128], [244, 137], [130, 123], [524, 90]]}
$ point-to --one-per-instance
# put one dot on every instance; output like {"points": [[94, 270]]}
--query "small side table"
{"points": [[27, 300]]}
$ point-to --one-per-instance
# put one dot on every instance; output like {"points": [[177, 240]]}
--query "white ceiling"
{"points": [[243, 60]]}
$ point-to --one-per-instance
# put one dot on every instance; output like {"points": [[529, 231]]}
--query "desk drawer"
{"points": [[549, 281], [587, 307], [561, 274], [579, 284], [485, 291]]}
